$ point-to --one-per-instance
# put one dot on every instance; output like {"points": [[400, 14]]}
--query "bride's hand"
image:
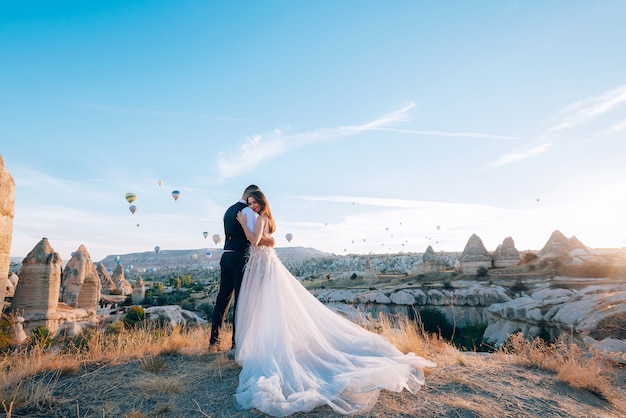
{"points": [[241, 218]]}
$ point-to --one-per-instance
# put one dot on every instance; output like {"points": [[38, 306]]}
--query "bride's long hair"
{"points": [[265, 209]]}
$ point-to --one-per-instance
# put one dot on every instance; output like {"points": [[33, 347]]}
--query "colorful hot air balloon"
{"points": [[157, 249], [160, 183], [131, 197], [205, 234], [194, 256], [175, 195], [208, 253], [216, 238], [289, 237], [132, 209]]}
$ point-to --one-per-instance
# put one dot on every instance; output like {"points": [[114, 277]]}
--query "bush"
{"points": [[530, 257], [519, 287], [6, 332], [80, 342], [471, 336], [207, 309], [41, 337], [435, 321], [134, 315], [482, 272]]}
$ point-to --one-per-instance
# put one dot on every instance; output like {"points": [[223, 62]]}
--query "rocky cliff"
{"points": [[7, 205]]}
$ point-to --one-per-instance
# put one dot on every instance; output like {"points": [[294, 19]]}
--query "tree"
{"points": [[134, 315]]}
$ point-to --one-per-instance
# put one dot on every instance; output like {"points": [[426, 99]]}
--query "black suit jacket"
{"points": [[235, 237]]}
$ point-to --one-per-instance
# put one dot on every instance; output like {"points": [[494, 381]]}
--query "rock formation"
{"points": [[431, 263], [107, 285], [78, 269], [596, 309], [7, 205], [559, 245], [89, 295], [139, 291], [120, 281], [506, 255], [37, 292], [11, 283], [474, 256], [173, 314]]}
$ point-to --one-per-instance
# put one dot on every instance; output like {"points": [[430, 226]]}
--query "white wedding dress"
{"points": [[297, 354]]}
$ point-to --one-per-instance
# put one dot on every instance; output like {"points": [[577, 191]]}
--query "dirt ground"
{"points": [[202, 385]]}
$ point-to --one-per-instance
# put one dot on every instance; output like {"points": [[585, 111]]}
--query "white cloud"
{"points": [[520, 155], [263, 147], [587, 109], [449, 134]]}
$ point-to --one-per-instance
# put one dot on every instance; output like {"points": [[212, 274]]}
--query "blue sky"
{"points": [[368, 124]]}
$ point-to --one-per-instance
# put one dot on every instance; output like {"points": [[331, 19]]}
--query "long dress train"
{"points": [[297, 354]]}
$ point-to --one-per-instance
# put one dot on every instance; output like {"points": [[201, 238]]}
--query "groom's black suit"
{"points": [[232, 265]]}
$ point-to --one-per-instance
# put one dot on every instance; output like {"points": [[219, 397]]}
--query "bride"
{"points": [[297, 354]]}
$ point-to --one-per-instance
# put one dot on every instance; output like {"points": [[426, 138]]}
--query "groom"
{"points": [[233, 262]]}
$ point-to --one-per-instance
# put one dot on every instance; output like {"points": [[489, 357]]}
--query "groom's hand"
{"points": [[268, 241]]}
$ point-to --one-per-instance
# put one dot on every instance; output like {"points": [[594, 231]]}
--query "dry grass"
{"points": [[579, 367], [156, 372]]}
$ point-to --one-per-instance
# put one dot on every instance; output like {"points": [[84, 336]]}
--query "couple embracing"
{"points": [[295, 353]]}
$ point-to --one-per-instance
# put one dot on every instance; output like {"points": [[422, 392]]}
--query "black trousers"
{"points": [[232, 265]]}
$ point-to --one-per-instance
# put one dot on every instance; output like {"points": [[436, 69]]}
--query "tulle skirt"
{"points": [[297, 354]]}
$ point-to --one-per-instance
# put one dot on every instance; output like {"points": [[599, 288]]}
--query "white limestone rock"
{"points": [[402, 297], [174, 314]]}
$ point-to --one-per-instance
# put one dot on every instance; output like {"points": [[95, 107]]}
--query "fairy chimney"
{"points": [[78, 269], [474, 256], [506, 255], [89, 294], [559, 245], [139, 292], [120, 281], [37, 292], [106, 283], [7, 205]]}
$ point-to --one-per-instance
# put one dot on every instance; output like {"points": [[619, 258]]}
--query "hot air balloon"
{"points": [[160, 183], [157, 249], [175, 194], [438, 227], [132, 209], [289, 237], [194, 256], [131, 197], [208, 254], [216, 238], [205, 234]]}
